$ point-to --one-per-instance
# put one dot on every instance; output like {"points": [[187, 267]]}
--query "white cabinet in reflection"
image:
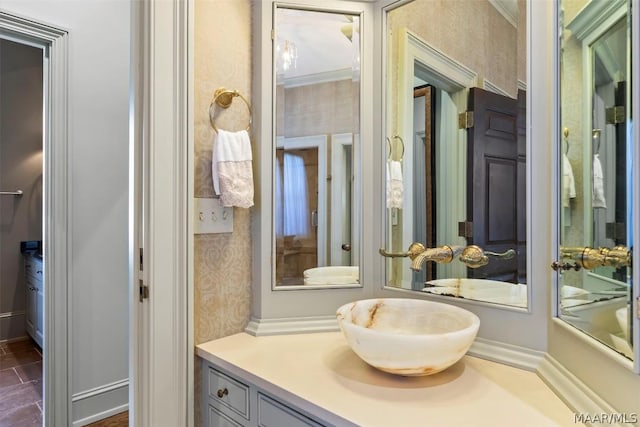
{"points": [[34, 273]]}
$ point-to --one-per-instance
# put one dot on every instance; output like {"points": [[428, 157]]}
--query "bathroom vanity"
{"points": [[33, 271], [316, 380]]}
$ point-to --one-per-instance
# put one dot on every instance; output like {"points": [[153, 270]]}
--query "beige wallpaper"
{"points": [[473, 33], [222, 262], [222, 270], [318, 109], [572, 99]]}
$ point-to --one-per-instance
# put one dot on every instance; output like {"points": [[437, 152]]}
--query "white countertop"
{"points": [[320, 371]]}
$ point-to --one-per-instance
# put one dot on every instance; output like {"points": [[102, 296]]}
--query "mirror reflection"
{"points": [[456, 149], [317, 93], [595, 221]]}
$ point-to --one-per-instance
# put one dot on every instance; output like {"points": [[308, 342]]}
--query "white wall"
{"points": [[99, 49]]}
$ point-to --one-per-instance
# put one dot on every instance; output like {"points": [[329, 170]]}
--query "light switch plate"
{"points": [[210, 217]]}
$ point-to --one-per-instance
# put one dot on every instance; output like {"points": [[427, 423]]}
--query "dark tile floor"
{"points": [[20, 384], [21, 388]]}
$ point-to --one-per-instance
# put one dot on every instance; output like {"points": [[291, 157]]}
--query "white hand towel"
{"points": [[598, 200], [568, 182], [395, 188], [231, 168]]}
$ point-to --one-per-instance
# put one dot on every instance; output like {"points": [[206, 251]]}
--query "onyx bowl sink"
{"points": [[409, 337]]}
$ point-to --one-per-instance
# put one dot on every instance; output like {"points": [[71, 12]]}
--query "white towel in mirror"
{"points": [[231, 168], [395, 188], [598, 200], [568, 182]]}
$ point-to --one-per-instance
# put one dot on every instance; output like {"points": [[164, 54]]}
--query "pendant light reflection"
{"points": [[287, 54]]}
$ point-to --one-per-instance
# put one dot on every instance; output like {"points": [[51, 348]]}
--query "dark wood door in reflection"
{"points": [[496, 183]]}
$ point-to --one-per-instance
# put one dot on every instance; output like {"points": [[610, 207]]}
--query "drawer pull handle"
{"points": [[222, 392]]}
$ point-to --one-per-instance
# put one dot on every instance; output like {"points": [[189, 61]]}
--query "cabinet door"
{"points": [[31, 308], [39, 314], [218, 419], [272, 413]]}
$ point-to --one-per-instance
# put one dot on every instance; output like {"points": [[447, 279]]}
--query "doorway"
{"points": [[21, 219], [42, 50]]}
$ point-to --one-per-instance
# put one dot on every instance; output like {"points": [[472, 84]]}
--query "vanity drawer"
{"points": [[33, 268], [272, 413], [218, 419], [229, 392]]}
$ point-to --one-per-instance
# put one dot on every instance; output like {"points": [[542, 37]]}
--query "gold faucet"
{"points": [[419, 254], [590, 258], [474, 256]]}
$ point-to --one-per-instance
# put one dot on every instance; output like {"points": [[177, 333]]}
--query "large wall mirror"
{"points": [[316, 233], [596, 226], [456, 148]]}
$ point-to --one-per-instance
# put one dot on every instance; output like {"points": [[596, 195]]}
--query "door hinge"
{"points": [[141, 259], [465, 120], [144, 291], [273, 34], [615, 115], [465, 229]]}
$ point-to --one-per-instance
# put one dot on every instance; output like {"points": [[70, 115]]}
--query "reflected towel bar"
{"points": [[11, 193]]}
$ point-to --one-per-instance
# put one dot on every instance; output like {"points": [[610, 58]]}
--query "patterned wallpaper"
{"points": [[571, 106], [473, 33], [222, 264]]}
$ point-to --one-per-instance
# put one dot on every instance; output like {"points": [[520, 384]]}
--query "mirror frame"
{"points": [[283, 310], [325, 238], [569, 346], [494, 341], [451, 75], [313, 310]]}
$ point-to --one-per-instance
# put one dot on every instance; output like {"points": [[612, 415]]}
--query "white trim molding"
{"points": [[55, 44], [575, 393], [292, 325], [159, 205], [507, 354], [508, 9], [114, 396], [12, 326]]}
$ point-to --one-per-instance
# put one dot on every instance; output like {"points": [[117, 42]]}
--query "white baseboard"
{"points": [[12, 326], [100, 403], [263, 327], [577, 395], [508, 354]]}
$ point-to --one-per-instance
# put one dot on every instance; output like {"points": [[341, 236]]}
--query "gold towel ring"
{"points": [[223, 97], [390, 151]]}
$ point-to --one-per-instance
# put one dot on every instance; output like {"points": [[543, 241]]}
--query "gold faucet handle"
{"points": [[508, 254], [473, 256]]}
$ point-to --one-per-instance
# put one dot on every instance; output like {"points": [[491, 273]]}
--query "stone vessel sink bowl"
{"points": [[407, 337]]}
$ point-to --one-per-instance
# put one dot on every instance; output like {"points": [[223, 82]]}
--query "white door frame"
{"points": [[161, 151], [56, 352]]}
